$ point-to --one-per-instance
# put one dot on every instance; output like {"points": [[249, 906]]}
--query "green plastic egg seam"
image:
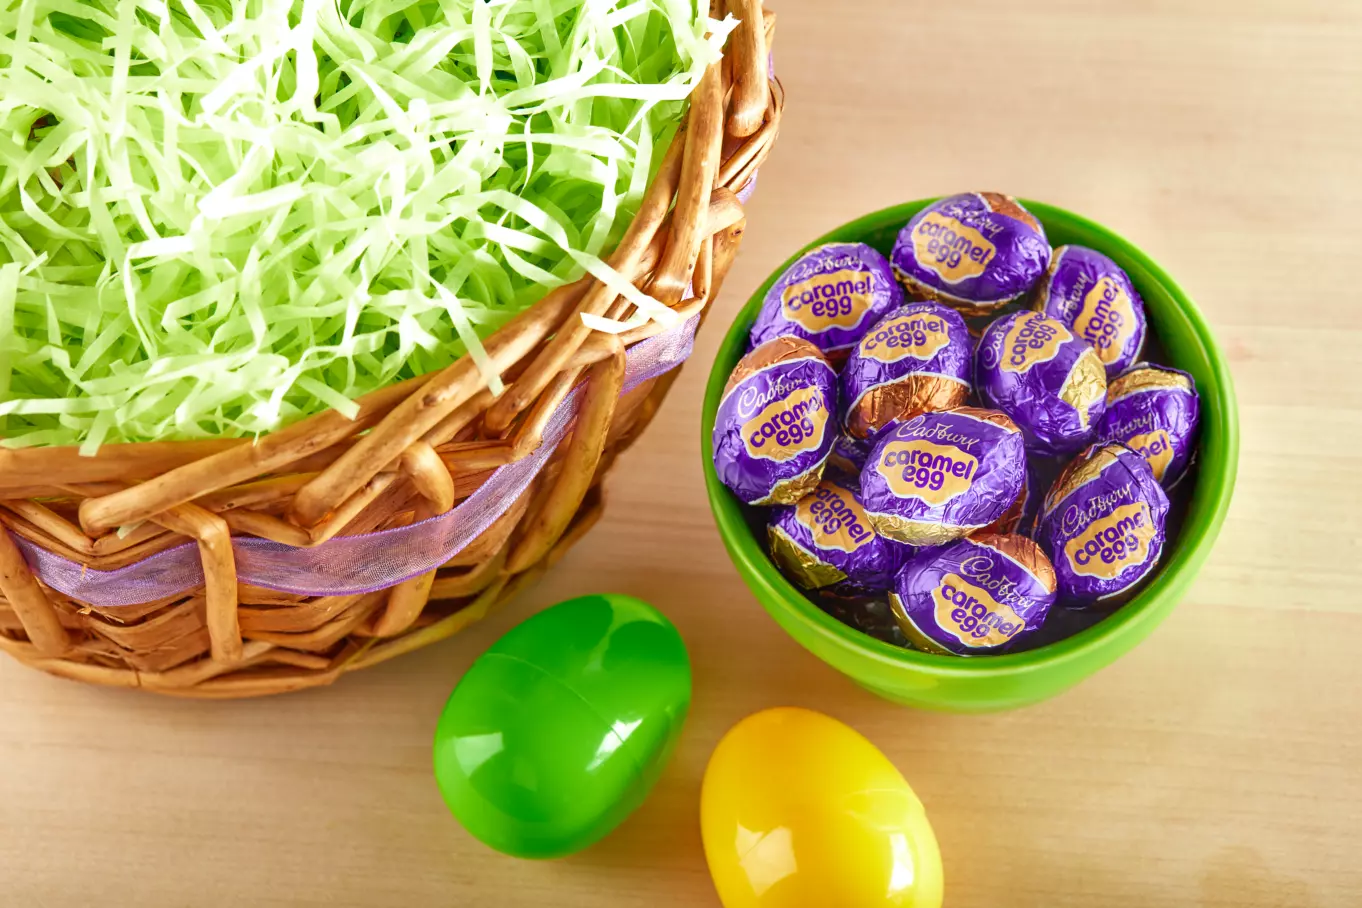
{"points": [[621, 744]]}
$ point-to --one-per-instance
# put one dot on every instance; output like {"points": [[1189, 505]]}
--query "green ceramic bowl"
{"points": [[1002, 682]]}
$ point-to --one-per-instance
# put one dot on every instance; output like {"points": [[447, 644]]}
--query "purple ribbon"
{"points": [[352, 564]]}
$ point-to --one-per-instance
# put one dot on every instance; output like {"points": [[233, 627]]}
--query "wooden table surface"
{"points": [[1219, 764]]}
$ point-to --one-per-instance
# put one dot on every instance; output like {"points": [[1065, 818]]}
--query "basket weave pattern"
{"points": [[415, 450]]}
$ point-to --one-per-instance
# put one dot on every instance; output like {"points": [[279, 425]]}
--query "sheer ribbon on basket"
{"points": [[352, 564]]}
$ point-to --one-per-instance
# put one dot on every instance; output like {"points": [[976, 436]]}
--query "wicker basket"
{"points": [[415, 450]]}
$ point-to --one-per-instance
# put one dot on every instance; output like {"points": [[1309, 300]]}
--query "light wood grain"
{"points": [[1220, 764]]}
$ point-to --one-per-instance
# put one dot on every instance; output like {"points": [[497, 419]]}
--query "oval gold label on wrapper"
{"points": [[837, 300], [1106, 319], [787, 427], [1156, 448], [968, 613], [950, 249], [1031, 340], [1110, 544], [925, 470], [834, 518], [919, 335]]}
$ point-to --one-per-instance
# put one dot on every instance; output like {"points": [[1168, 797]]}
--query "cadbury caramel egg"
{"points": [[775, 425], [975, 252], [826, 541], [974, 596], [942, 475], [829, 297], [1103, 524], [918, 358], [1052, 384], [1093, 296], [1155, 410]]}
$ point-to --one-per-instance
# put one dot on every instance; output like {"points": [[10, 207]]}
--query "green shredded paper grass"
{"points": [[217, 217]]}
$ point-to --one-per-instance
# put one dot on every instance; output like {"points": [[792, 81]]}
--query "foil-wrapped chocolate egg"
{"points": [[775, 425], [1156, 411], [975, 596], [975, 252], [1103, 525], [943, 474], [1052, 384], [829, 297], [826, 542], [916, 359], [1094, 297]]}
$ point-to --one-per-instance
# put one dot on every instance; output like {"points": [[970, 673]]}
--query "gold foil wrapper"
{"points": [[1085, 385], [910, 630], [916, 532], [801, 564], [1083, 469], [788, 491], [1147, 378], [903, 399], [1007, 205], [775, 350], [1024, 552]]}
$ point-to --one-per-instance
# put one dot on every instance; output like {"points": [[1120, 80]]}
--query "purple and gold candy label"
{"points": [[974, 595], [923, 469], [916, 359], [918, 335], [1032, 339], [1049, 382], [951, 249], [1110, 544], [771, 436], [837, 300], [1103, 523], [834, 518], [971, 615], [788, 426], [975, 252], [826, 541], [1156, 448], [1090, 293], [943, 474], [828, 297], [1155, 410], [1106, 318]]}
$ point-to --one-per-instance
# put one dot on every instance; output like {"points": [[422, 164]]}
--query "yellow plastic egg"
{"points": [[800, 811]]}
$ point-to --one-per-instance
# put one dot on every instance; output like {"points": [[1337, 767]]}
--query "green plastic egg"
{"points": [[559, 731]]}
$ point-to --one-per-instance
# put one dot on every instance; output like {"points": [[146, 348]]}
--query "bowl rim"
{"points": [[1206, 512]]}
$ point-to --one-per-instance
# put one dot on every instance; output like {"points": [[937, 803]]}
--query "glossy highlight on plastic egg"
{"points": [[559, 731], [799, 811]]}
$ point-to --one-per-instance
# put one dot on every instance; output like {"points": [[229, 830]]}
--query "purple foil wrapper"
{"points": [[943, 475], [1092, 295], [1103, 524], [826, 541], [975, 596], [977, 252], [829, 297], [849, 453], [775, 425], [917, 358], [1154, 410], [1051, 383]]}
